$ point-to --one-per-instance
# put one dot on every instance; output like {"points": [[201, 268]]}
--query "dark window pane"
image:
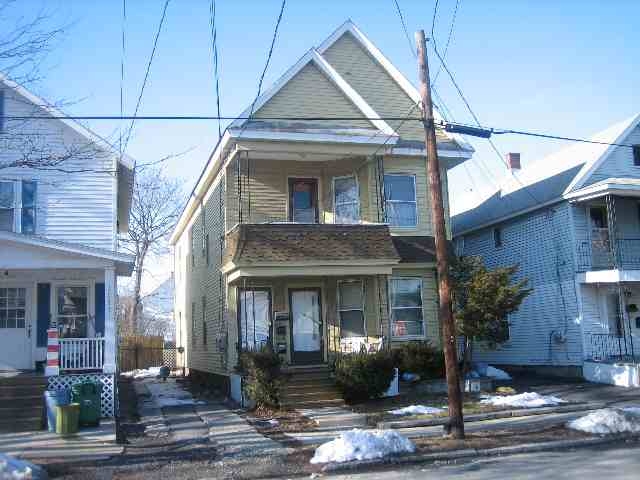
{"points": [[7, 199], [6, 220], [351, 296], [352, 323], [346, 190], [28, 194], [401, 214], [406, 293], [28, 220]]}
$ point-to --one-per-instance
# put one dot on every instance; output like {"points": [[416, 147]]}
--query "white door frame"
{"points": [[30, 314]]}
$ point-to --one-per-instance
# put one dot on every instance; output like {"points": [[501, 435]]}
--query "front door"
{"points": [[600, 243], [306, 326], [15, 330]]}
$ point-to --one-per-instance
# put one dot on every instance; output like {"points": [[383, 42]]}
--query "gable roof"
{"points": [[547, 181]]}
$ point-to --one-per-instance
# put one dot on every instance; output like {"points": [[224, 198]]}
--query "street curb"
{"points": [[474, 452], [522, 412]]}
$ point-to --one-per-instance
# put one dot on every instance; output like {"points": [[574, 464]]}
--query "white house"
{"points": [[65, 195], [572, 223]]}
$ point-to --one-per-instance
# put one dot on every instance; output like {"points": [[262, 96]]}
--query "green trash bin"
{"points": [[87, 394], [67, 419]]}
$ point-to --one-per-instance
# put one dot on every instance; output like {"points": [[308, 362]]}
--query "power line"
{"points": [[122, 54], [214, 47], [404, 27], [148, 69], [446, 47]]}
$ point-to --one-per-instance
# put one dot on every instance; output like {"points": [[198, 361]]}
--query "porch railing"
{"points": [[599, 255], [81, 354], [607, 347]]}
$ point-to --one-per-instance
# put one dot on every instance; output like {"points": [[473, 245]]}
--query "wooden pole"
{"points": [[445, 314]]}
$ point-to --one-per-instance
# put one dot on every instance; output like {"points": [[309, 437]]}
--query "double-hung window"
{"points": [[351, 309], [406, 307], [346, 201], [401, 209], [254, 317], [18, 206]]}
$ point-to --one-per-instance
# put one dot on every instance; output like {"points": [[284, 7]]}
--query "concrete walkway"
{"points": [[233, 436], [332, 418], [95, 443]]}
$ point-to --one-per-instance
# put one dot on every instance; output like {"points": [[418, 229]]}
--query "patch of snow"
{"points": [[169, 394], [522, 400], [497, 374], [609, 420], [273, 422], [15, 469], [151, 372], [363, 445], [416, 410]]}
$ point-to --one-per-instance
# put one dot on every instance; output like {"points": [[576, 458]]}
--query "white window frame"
{"points": [[340, 310], [391, 308], [357, 201], [415, 199], [17, 204]]}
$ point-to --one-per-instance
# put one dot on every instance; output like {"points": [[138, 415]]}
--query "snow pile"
{"points": [[363, 445], [416, 410], [522, 400], [609, 420], [151, 372], [169, 394], [14, 469], [497, 374]]}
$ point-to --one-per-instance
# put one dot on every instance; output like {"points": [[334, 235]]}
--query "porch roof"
{"points": [[626, 187], [34, 252], [344, 247]]}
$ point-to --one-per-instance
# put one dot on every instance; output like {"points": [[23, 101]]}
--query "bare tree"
{"points": [[157, 203]]}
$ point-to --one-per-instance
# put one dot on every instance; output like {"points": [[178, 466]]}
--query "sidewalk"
{"points": [[90, 444]]}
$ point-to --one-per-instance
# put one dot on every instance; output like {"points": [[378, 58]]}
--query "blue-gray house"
{"points": [[572, 223]]}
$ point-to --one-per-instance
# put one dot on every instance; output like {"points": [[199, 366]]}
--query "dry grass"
{"points": [[288, 421]]}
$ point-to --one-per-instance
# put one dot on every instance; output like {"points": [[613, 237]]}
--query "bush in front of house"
{"points": [[363, 376], [422, 358], [262, 369]]}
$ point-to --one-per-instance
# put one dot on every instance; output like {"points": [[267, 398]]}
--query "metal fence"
{"points": [[607, 347], [598, 255]]}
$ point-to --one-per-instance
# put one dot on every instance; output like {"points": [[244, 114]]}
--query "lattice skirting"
{"points": [[108, 397]]}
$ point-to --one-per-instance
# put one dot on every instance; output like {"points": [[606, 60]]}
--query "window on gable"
{"points": [[406, 307], [497, 237], [401, 209], [351, 309], [346, 201], [18, 206], [636, 155]]}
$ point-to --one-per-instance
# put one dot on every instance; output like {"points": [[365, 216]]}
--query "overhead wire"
{"points": [[214, 48], [147, 71], [446, 47]]}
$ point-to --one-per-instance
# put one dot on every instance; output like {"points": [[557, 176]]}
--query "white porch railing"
{"points": [[81, 353]]}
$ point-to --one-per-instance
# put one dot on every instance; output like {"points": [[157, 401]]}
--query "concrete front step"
{"points": [[314, 403], [21, 411], [20, 391], [26, 401], [293, 399], [25, 380]]}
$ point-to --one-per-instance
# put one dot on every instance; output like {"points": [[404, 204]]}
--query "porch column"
{"points": [[110, 333]]}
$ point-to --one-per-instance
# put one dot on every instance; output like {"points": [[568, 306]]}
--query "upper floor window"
{"points": [[497, 237], [400, 200], [17, 206], [346, 201], [303, 200], [406, 307], [636, 155]]}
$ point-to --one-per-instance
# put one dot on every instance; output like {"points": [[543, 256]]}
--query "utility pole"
{"points": [[445, 313]]}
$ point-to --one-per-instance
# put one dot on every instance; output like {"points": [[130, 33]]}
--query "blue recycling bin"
{"points": [[54, 398]]}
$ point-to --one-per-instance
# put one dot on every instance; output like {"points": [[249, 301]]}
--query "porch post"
{"points": [[110, 333]]}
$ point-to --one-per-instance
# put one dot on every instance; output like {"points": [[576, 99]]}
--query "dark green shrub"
{"points": [[262, 369], [421, 358], [362, 376]]}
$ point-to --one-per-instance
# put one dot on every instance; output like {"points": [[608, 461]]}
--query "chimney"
{"points": [[513, 161]]}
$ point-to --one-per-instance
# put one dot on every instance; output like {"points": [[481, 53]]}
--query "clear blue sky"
{"points": [[568, 67]]}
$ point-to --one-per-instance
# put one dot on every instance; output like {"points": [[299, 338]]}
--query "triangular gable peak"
{"points": [[304, 89], [379, 82]]}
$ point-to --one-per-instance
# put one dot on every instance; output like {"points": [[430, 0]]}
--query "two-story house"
{"points": [[572, 223], [65, 195], [310, 228]]}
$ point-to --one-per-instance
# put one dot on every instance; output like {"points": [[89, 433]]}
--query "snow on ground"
{"points": [[15, 469], [151, 372], [522, 400], [363, 445], [497, 374], [609, 420], [416, 410], [169, 394]]}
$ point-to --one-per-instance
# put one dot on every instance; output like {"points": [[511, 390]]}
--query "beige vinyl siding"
{"points": [[203, 280], [310, 93], [265, 191], [374, 84], [429, 301]]}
